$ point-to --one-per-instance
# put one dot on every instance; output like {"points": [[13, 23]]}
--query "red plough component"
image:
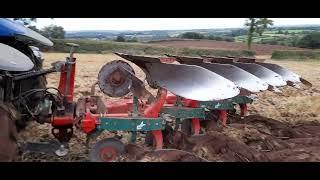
{"points": [[167, 60], [121, 109], [153, 112], [121, 106], [195, 121], [223, 116], [63, 120], [66, 86], [154, 109], [244, 109], [89, 123]]}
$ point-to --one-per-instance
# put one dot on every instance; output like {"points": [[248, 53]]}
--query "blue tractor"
{"points": [[23, 92]]}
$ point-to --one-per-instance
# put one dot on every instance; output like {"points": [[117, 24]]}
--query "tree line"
{"points": [[259, 26], [194, 35]]}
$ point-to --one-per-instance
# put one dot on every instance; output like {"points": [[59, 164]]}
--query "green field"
{"points": [[285, 37], [296, 55]]}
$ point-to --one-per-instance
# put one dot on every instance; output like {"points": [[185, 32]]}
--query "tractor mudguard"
{"points": [[13, 60]]}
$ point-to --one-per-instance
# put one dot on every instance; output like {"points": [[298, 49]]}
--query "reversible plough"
{"points": [[190, 91], [193, 90]]}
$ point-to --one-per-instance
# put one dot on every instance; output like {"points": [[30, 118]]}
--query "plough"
{"points": [[180, 100], [190, 90]]}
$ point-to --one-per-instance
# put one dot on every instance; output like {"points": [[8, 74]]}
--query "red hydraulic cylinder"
{"points": [[66, 85]]}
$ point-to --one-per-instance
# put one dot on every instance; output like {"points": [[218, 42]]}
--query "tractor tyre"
{"points": [[8, 133]]}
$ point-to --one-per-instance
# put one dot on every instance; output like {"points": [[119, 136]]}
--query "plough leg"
{"points": [[157, 139], [196, 126], [195, 122], [223, 117], [153, 111], [244, 109]]}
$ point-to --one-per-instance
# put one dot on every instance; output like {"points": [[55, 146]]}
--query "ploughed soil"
{"points": [[260, 49], [250, 139]]}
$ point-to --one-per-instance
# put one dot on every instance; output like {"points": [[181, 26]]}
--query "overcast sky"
{"points": [[74, 24]]}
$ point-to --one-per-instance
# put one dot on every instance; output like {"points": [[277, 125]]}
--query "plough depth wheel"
{"points": [[112, 81], [107, 150]]}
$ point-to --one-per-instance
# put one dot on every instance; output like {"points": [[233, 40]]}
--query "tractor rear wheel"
{"points": [[8, 134]]}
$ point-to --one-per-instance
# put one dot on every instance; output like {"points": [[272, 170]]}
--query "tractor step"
{"points": [[50, 147]]}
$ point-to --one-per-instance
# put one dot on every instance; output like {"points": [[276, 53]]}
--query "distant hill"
{"points": [[239, 34]]}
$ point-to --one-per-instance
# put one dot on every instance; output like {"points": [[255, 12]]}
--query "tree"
{"points": [[26, 21], [238, 32], [34, 28], [256, 25], [294, 41], [192, 35], [134, 39], [54, 32], [120, 39], [310, 41]]}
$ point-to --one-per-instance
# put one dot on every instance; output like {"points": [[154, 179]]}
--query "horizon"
{"points": [[161, 24], [300, 25]]}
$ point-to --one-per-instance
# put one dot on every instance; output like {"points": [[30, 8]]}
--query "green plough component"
{"points": [[242, 100], [131, 124], [226, 104], [184, 112]]}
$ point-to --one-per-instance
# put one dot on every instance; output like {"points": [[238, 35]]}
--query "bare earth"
{"points": [[261, 49], [255, 138]]}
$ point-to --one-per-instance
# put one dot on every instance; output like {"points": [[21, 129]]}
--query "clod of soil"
{"points": [[139, 154], [218, 147], [298, 154]]}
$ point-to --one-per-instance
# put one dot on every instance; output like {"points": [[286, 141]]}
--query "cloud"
{"points": [[71, 24]]}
